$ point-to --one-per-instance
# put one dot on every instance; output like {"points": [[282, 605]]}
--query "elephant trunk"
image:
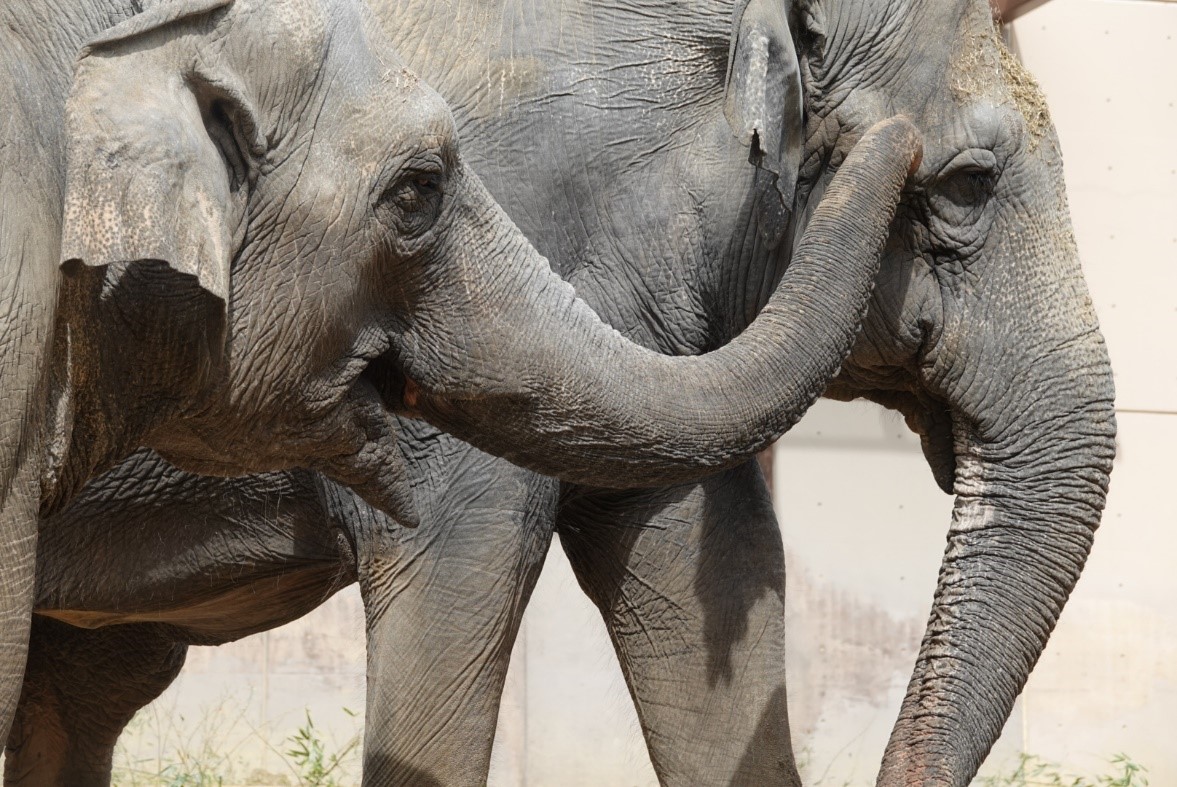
{"points": [[543, 382], [1031, 479]]}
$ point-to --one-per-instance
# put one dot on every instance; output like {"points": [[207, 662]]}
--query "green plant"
{"points": [[171, 749], [313, 763], [182, 775], [218, 745], [1032, 771]]}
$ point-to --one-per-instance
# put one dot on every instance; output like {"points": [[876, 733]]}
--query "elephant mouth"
{"points": [[928, 417], [932, 420], [935, 427], [397, 392]]}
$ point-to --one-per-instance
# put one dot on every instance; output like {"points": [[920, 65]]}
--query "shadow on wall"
{"points": [[743, 541], [842, 645]]}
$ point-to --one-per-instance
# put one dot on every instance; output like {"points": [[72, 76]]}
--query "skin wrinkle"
{"points": [[204, 559], [649, 673]]}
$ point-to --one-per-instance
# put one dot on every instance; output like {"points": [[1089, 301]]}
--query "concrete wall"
{"points": [[863, 523]]}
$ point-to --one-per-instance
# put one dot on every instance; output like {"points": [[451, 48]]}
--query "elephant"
{"points": [[979, 332], [251, 263]]}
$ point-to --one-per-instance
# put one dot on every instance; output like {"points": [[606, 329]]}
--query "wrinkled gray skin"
{"points": [[600, 129], [248, 258]]}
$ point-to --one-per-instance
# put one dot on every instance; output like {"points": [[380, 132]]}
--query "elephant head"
{"points": [[981, 333], [270, 220]]}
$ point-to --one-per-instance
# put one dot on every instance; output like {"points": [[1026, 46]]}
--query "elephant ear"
{"points": [[151, 201], [764, 105]]}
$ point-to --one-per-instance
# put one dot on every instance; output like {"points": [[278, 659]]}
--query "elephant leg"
{"points": [[18, 559], [444, 603], [691, 583], [81, 688], [29, 238]]}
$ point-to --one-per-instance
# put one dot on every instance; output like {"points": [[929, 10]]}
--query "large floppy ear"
{"points": [[145, 181], [763, 102], [160, 144], [154, 193]]}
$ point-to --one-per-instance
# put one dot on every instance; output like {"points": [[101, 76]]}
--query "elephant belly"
{"points": [[216, 614]]}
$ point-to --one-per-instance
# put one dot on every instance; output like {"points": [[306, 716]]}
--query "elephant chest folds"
{"points": [[219, 576]]}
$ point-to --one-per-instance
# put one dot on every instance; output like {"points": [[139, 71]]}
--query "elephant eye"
{"points": [[414, 201], [967, 188], [967, 181], [960, 198]]}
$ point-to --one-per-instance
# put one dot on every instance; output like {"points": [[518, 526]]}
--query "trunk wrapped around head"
{"points": [[535, 376]]}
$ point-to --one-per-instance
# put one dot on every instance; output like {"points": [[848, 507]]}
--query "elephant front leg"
{"points": [[18, 559], [81, 688], [691, 584], [444, 603]]}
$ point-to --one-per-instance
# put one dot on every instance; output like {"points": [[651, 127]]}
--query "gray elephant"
{"points": [[152, 194], [981, 334], [249, 263]]}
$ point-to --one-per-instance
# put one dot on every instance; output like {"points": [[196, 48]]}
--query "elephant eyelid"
{"points": [[419, 165], [425, 182], [975, 161], [412, 203]]}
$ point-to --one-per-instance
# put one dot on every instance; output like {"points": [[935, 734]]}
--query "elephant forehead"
{"points": [[393, 118], [984, 69], [896, 46]]}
